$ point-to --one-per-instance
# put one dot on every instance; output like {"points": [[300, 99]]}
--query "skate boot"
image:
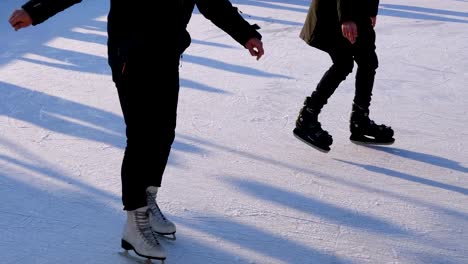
{"points": [[139, 237], [158, 221], [365, 131], [309, 130]]}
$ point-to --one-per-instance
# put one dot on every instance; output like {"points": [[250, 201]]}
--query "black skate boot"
{"points": [[365, 131], [309, 130]]}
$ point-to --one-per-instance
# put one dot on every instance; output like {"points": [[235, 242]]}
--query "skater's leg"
{"points": [[308, 128], [342, 66], [363, 129], [146, 97], [367, 64]]}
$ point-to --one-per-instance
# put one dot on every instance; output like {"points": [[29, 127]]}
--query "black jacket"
{"points": [[150, 23], [322, 27]]}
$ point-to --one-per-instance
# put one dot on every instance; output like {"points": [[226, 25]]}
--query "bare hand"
{"points": [[255, 47], [20, 19], [349, 30], [373, 21]]}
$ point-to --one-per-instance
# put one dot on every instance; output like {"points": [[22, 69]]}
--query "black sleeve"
{"points": [[351, 10], [347, 10], [374, 8], [227, 18], [41, 10]]}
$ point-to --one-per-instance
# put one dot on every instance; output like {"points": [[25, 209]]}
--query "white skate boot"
{"points": [[158, 221], [139, 237]]}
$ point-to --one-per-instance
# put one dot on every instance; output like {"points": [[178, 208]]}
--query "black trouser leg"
{"points": [[342, 66], [367, 62], [148, 100]]}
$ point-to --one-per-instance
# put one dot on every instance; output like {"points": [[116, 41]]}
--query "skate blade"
{"points": [[170, 236], [312, 145], [140, 260], [371, 142], [136, 259], [127, 247]]}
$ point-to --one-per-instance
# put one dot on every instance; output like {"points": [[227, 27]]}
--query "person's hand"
{"points": [[373, 21], [20, 19], [255, 47], [349, 30]]}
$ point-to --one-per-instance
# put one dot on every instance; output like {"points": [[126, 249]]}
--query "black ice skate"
{"points": [[309, 130], [366, 131]]}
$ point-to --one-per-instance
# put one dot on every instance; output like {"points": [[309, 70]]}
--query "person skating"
{"points": [[345, 30], [144, 50]]}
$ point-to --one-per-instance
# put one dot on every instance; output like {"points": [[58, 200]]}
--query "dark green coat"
{"points": [[322, 27]]}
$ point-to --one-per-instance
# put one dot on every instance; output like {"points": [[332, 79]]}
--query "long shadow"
{"points": [[275, 20], [85, 218], [69, 118], [82, 62], [267, 160], [435, 257], [343, 217], [68, 24], [265, 243], [277, 5], [212, 44], [333, 213], [80, 215], [45, 169], [39, 165], [39, 226], [43, 206], [426, 10], [412, 12], [190, 249], [99, 26], [51, 220], [69, 60], [265, 4], [408, 177], [307, 170], [303, 202], [62, 116], [403, 11], [289, 2], [31, 39], [58, 226], [185, 83], [78, 61], [407, 199], [423, 157], [230, 67], [220, 255]]}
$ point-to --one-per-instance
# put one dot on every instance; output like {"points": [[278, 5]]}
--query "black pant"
{"points": [[343, 56], [148, 98]]}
